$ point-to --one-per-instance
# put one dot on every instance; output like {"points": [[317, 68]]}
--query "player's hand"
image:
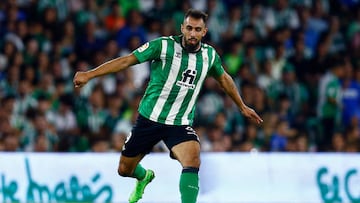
{"points": [[251, 114], [80, 79]]}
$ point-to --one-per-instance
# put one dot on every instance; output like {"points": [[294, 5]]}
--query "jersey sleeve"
{"points": [[148, 51], [216, 69]]}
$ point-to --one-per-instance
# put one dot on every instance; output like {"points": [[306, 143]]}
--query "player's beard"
{"points": [[191, 47]]}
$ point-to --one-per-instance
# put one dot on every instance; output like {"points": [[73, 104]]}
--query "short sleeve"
{"points": [[148, 51], [216, 70]]}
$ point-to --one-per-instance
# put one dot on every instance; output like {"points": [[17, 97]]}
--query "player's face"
{"points": [[193, 31]]}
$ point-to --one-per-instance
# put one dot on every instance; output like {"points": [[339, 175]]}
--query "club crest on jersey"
{"points": [[143, 47], [188, 79]]}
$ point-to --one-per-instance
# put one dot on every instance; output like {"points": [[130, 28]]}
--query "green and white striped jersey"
{"points": [[176, 79]]}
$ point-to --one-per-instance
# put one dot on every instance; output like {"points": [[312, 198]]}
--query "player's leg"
{"points": [[130, 167], [188, 154], [139, 142], [184, 145]]}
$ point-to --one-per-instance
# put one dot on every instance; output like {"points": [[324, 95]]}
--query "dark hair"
{"points": [[197, 14], [335, 62]]}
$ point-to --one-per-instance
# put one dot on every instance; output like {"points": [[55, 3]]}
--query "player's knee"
{"points": [[192, 161], [196, 162], [124, 170]]}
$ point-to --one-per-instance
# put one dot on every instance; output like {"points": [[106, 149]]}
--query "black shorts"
{"points": [[146, 133]]}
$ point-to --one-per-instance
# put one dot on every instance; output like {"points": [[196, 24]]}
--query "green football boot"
{"points": [[140, 186]]}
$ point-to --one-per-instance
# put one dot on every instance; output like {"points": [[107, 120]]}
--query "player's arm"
{"points": [[227, 83], [112, 66]]}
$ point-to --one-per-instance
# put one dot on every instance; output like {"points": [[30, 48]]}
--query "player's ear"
{"points": [[205, 31], [182, 28]]}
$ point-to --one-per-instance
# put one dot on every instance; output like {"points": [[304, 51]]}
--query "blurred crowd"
{"points": [[296, 62]]}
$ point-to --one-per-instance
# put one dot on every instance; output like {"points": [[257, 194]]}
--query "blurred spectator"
{"points": [[352, 135], [219, 142], [329, 105], [68, 39], [64, 121], [357, 74], [137, 74], [234, 24], [234, 122], [91, 117], [251, 57], [310, 35], [278, 61], [300, 57], [291, 145], [281, 15], [315, 23], [264, 77], [31, 51], [354, 26], [337, 40], [251, 135], [44, 105], [178, 15], [233, 59], [12, 15], [60, 5], [279, 139], [160, 11], [117, 141], [243, 76], [352, 147], [10, 83], [114, 21], [6, 55], [8, 113], [260, 101], [24, 99], [289, 87], [154, 27], [88, 43], [248, 35], [11, 141], [45, 86], [133, 28], [316, 69], [42, 65], [51, 24], [256, 20], [38, 134], [115, 105], [88, 11], [216, 11], [337, 142], [283, 109], [350, 97], [100, 145], [302, 142], [127, 6], [210, 103]]}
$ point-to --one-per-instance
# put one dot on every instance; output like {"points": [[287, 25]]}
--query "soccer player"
{"points": [[179, 66]]}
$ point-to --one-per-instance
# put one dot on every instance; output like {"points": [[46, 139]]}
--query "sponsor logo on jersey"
{"points": [[188, 79]]}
